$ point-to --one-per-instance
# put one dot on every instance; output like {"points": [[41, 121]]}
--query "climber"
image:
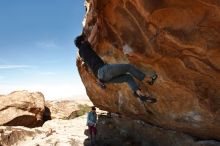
{"points": [[113, 73], [91, 123]]}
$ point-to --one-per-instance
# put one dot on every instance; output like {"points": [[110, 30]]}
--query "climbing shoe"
{"points": [[101, 84], [145, 98], [151, 99], [153, 79]]}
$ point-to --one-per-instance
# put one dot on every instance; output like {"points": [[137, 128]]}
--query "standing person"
{"points": [[114, 73], [91, 123]]}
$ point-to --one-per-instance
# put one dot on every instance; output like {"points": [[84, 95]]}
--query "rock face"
{"points": [[124, 131], [22, 108], [180, 40]]}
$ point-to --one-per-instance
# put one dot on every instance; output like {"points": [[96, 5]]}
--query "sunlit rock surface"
{"points": [[59, 131], [54, 132], [180, 40], [22, 108]]}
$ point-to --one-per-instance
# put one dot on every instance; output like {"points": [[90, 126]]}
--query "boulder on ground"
{"points": [[22, 108]]}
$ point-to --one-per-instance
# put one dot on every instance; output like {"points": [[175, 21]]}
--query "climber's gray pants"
{"points": [[119, 73]]}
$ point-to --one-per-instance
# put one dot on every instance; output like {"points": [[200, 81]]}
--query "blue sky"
{"points": [[37, 52]]}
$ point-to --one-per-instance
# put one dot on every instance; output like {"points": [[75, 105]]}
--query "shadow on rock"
{"points": [[108, 134], [47, 114], [117, 130]]}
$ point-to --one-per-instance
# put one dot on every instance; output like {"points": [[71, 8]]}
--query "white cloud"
{"points": [[47, 45], [50, 91], [47, 73], [14, 66]]}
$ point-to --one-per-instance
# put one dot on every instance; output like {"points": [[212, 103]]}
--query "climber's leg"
{"points": [[94, 135], [125, 78], [110, 71], [150, 77], [91, 136], [133, 85]]}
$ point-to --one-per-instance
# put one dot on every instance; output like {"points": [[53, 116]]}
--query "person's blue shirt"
{"points": [[91, 118]]}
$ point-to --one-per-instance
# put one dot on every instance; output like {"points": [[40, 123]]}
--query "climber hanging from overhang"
{"points": [[114, 73]]}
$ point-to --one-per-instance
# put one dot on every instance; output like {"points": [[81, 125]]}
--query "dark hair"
{"points": [[78, 40], [93, 108]]}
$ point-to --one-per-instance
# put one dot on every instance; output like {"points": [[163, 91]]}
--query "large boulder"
{"points": [[57, 131], [22, 108], [180, 40]]}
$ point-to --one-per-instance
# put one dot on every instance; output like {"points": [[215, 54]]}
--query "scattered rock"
{"points": [[16, 135], [54, 132]]}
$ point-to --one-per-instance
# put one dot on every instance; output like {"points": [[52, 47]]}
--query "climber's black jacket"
{"points": [[90, 57]]}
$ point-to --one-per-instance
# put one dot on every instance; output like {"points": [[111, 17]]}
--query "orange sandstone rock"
{"points": [[180, 40]]}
